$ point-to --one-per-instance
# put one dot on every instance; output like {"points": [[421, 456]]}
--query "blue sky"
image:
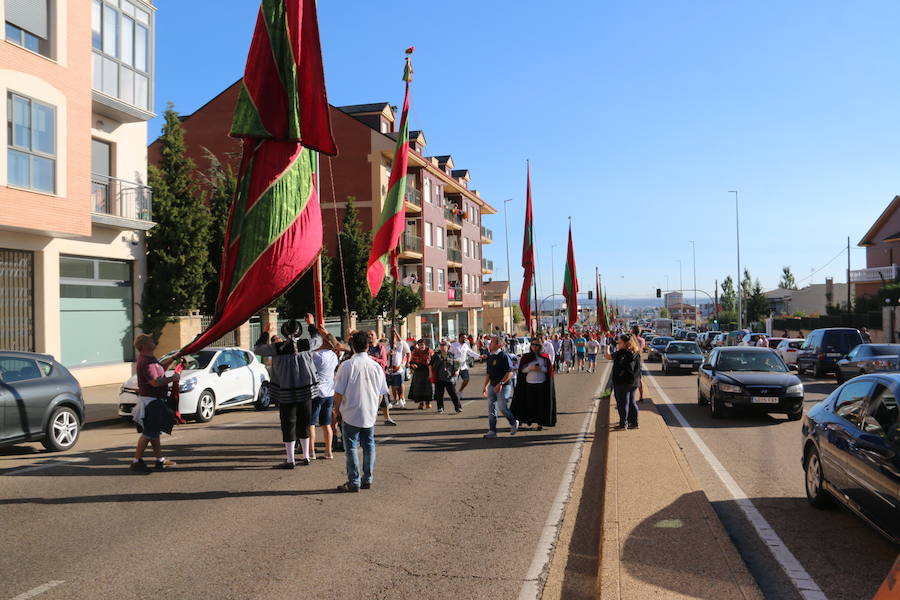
{"points": [[637, 116]]}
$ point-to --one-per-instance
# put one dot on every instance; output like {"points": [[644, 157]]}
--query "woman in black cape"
{"points": [[534, 399]]}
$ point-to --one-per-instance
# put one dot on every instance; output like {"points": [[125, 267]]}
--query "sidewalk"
{"points": [[661, 537], [101, 404]]}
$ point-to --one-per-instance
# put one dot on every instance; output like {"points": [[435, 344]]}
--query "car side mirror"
{"points": [[221, 369], [707, 366], [793, 367]]}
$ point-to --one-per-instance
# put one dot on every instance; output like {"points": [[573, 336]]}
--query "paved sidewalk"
{"points": [[661, 538]]}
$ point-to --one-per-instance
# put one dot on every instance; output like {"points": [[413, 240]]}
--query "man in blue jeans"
{"points": [[358, 388], [498, 387]]}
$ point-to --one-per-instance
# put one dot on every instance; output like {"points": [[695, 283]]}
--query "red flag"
{"points": [[570, 283], [527, 255], [386, 240], [275, 226]]}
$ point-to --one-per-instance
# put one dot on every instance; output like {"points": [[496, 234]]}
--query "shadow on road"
{"points": [[168, 496]]}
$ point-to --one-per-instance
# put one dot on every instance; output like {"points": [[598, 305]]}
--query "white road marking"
{"points": [[38, 590], [532, 588], [802, 580], [47, 465]]}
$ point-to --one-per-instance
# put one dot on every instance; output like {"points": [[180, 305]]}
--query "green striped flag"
{"points": [[570, 283]]}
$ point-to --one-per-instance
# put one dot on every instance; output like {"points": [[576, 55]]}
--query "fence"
{"points": [[872, 320], [229, 339]]}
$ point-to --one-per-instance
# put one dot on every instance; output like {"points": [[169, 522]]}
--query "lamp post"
{"points": [[680, 287], [740, 288], [696, 308], [508, 273], [553, 284]]}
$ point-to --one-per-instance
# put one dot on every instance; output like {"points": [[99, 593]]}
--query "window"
{"points": [[121, 40], [439, 237], [18, 369], [850, 402], [465, 243], [466, 283], [429, 279], [882, 416], [441, 281], [428, 231], [28, 24], [426, 185], [31, 129]]}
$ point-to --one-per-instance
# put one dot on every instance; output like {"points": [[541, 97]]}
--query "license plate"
{"points": [[684, 366], [763, 400], [833, 354]]}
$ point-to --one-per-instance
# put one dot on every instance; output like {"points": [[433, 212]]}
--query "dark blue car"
{"points": [[851, 451]]}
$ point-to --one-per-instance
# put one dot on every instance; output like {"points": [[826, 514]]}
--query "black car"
{"points": [[851, 451], [868, 358], [657, 346], [39, 401], [681, 357], [748, 377], [823, 348]]}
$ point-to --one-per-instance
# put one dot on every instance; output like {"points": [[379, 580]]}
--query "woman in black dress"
{"points": [[534, 399], [420, 390]]}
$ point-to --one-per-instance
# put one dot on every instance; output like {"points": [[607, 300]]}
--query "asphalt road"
{"points": [[450, 514], [846, 559]]}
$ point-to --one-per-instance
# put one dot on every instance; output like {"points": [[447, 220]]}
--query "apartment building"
{"points": [[441, 249], [496, 314], [77, 80]]}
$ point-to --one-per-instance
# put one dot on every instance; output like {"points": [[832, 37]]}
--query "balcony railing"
{"points": [[413, 196], [453, 216], [120, 198], [487, 265], [487, 234], [888, 274], [454, 255], [454, 294], [410, 243]]}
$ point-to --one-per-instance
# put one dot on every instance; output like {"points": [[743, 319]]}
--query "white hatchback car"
{"points": [[788, 348], [213, 378]]}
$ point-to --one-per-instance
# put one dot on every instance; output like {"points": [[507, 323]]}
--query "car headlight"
{"points": [[188, 384], [795, 389], [731, 389]]}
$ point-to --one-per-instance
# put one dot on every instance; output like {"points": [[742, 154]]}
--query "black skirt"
{"points": [[420, 390]]}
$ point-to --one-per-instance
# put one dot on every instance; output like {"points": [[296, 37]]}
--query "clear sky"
{"points": [[637, 116]]}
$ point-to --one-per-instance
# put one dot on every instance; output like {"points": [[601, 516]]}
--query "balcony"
{"points": [[487, 236], [454, 257], [413, 198], [120, 203], [487, 266], [410, 246], [454, 295], [453, 217], [875, 274], [120, 91]]}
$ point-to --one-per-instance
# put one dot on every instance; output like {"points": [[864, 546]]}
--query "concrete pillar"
{"points": [[379, 326], [269, 316], [352, 325], [182, 330], [440, 326], [242, 336]]}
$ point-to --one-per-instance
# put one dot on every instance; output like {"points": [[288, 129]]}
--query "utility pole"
{"points": [[716, 300], [740, 288], [696, 308], [512, 325], [848, 275], [552, 283]]}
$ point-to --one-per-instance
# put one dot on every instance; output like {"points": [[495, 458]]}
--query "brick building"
{"points": [[441, 249], [77, 84], [882, 244]]}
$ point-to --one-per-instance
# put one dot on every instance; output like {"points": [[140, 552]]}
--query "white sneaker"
{"points": [[514, 429], [401, 403], [490, 434]]}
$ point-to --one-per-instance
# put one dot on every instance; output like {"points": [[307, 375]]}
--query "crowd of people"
{"points": [[322, 383]]}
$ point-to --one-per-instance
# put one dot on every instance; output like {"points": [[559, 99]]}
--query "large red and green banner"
{"points": [[386, 241], [570, 283], [527, 255], [275, 227]]}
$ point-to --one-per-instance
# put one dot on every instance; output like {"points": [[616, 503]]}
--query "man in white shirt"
{"points": [[358, 388], [549, 350], [398, 359], [460, 350]]}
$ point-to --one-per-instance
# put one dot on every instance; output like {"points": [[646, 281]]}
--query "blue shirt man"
{"points": [[498, 388]]}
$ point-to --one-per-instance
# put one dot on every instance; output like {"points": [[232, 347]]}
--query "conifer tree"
{"points": [[221, 183], [178, 246], [355, 245]]}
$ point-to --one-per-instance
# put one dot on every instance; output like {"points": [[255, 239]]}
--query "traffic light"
{"points": [[590, 294], [658, 293]]}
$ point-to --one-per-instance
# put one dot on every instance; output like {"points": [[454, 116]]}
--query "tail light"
{"points": [[792, 350], [821, 356]]}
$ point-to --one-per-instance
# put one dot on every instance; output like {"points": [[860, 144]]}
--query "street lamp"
{"points": [[553, 283], [694, 254], [737, 229], [508, 273]]}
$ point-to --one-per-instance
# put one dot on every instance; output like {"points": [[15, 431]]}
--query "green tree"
{"points": [[518, 316], [407, 301], [355, 245], [221, 183], [178, 246], [728, 300], [300, 298], [664, 313], [758, 307], [788, 282]]}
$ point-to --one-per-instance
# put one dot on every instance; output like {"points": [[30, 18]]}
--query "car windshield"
{"points": [[885, 349], [750, 361], [661, 341], [681, 348], [196, 361]]}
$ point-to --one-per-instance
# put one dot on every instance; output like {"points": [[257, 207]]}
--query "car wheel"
{"points": [[701, 401], [839, 375], [206, 407], [716, 410], [263, 399], [62, 430], [818, 371], [815, 491]]}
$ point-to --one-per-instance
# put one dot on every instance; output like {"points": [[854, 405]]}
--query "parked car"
{"points": [[774, 342], [748, 377], [750, 339], [788, 348], [691, 336], [681, 357], [868, 358], [214, 378], [523, 345], [40, 401], [719, 340], [657, 346], [824, 347], [648, 339], [851, 451]]}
